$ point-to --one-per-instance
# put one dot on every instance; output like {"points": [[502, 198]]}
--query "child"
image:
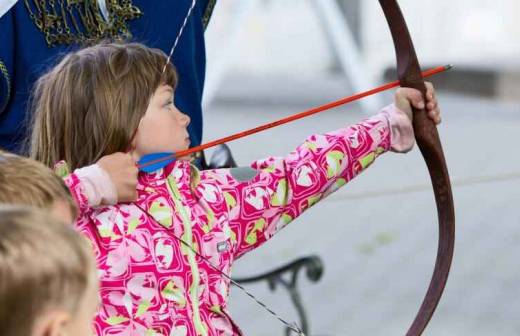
{"points": [[48, 284], [26, 182], [164, 260], [25, 233]]}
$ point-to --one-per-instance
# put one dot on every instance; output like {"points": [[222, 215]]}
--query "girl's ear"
{"points": [[51, 323]]}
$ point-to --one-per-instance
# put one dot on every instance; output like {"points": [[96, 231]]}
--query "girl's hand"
{"points": [[123, 172], [405, 98]]}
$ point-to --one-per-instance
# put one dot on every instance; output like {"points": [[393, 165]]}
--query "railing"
{"points": [[287, 277]]}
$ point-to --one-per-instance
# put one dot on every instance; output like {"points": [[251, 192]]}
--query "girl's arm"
{"points": [[90, 186], [112, 179], [265, 197]]}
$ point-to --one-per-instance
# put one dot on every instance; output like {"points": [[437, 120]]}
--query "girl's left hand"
{"points": [[405, 98]]}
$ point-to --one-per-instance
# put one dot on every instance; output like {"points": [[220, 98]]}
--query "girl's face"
{"points": [[163, 127]]}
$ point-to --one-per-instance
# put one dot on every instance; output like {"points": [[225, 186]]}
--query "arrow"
{"points": [[151, 162]]}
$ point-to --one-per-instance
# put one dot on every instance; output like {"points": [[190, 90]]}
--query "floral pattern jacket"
{"points": [[151, 283]]}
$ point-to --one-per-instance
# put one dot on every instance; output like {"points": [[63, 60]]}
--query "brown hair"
{"points": [[90, 104], [25, 181], [44, 264]]}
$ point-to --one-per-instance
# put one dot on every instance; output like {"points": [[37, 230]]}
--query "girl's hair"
{"points": [[25, 181], [90, 104], [44, 265]]}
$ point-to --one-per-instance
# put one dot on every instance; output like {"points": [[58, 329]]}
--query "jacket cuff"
{"points": [[97, 185]]}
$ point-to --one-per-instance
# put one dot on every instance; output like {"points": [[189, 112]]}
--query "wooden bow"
{"points": [[427, 137]]}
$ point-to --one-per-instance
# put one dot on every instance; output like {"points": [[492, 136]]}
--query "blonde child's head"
{"points": [[27, 182], [48, 280], [104, 99]]}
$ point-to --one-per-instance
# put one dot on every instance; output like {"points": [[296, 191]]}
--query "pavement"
{"points": [[377, 236]]}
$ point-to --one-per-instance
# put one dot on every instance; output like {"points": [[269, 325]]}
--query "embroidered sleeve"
{"points": [[279, 189], [208, 11], [6, 59]]}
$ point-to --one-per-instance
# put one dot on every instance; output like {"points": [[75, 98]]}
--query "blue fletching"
{"points": [[147, 163]]}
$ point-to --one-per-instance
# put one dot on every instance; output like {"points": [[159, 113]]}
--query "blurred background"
{"points": [[377, 237]]}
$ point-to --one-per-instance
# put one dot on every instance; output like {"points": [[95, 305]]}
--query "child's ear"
{"points": [[51, 323]]}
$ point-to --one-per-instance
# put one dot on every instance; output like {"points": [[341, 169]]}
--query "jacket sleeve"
{"points": [[268, 195], [91, 186], [73, 182], [6, 59]]}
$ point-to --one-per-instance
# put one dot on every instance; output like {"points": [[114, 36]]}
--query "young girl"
{"points": [[164, 260]]}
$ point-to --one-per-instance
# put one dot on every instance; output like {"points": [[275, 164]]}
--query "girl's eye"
{"points": [[169, 103]]}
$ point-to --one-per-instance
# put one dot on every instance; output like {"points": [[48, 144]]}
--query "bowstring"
{"points": [[292, 326], [177, 38]]}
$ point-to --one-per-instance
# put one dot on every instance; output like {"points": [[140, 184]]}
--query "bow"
{"points": [[427, 137]]}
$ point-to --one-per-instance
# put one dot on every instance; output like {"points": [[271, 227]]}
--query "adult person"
{"points": [[33, 33]]}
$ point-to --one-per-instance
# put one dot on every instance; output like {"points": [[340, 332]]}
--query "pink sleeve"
{"points": [[97, 185], [91, 186], [74, 184], [280, 189], [401, 129]]}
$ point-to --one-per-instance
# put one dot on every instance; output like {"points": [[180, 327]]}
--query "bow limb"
{"points": [[429, 143]]}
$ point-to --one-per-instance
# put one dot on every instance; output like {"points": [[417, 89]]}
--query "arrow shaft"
{"points": [[294, 117]]}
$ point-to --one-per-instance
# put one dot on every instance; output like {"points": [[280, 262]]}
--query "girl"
{"points": [[164, 260]]}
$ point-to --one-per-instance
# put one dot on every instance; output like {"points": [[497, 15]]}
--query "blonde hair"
{"points": [[27, 182], [91, 103], [44, 264]]}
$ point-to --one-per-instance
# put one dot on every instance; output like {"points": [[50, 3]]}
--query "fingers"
{"points": [[413, 96], [130, 196], [415, 99], [430, 91], [435, 115], [430, 97], [126, 158], [432, 105], [131, 179], [122, 170]]}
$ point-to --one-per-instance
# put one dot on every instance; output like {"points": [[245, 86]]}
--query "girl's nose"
{"points": [[185, 119]]}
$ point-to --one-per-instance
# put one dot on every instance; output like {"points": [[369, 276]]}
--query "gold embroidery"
{"points": [[208, 12], [81, 21], [5, 75]]}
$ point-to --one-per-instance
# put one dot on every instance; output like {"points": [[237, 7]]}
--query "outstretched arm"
{"points": [[264, 198]]}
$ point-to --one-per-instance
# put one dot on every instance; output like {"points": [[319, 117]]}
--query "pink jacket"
{"points": [[151, 284]]}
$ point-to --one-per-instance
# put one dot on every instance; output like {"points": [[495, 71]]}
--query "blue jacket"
{"points": [[25, 54]]}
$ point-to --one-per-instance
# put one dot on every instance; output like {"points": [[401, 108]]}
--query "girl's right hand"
{"points": [[122, 170]]}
